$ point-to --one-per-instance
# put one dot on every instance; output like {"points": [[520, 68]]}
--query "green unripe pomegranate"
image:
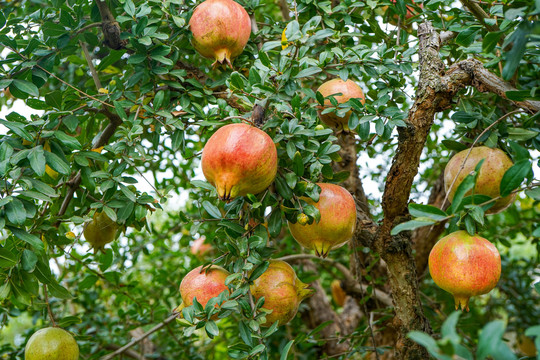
{"points": [[51, 344], [100, 231]]}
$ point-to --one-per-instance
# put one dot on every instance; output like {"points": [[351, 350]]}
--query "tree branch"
{"points": [[140, 338], [472, 72], [479, 14], [110, 27]]}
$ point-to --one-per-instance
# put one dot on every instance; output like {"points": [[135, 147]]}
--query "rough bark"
{"points": [[321, 311], [425, 237], [433, 95], [110, 27]]}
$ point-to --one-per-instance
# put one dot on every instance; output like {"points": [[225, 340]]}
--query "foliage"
{"points": [[165, 101]]}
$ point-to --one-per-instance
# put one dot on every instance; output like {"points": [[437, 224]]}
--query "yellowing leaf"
{"points": [[284, 43], [103, 91]]}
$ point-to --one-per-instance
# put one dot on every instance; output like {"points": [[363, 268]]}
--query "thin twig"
{"points": [[91, 65], [89, 26], [140, 338], [49, 310]]}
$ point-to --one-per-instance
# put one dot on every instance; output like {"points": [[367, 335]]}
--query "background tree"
{"points": [[123, 106]]}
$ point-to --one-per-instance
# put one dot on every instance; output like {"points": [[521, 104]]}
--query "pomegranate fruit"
{"points": [[282, 290], [488, 182], [239, 159], [199, 248], [464, 266], [338, 221], [348, 90], [337, 293], [100, 231], [221, 30], [51, 343], [203, 285]]}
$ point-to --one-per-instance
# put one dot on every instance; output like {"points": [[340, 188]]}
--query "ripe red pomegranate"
{"points": [[221, 30], [465, 266], [282, 290], [338, 221], [203, 285], [199, 248], [239, 159], [348, 90], [489, 178]]}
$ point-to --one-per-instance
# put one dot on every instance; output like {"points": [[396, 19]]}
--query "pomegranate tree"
{"points": [[336, 226], [221, 30], [343, 91], [203, 284], [488, 182], [239, 159], [51, 343], [282, 290], [465, 266]]}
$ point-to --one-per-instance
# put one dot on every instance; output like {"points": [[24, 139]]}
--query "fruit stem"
{"points": [[223, 56], [462, 301]]}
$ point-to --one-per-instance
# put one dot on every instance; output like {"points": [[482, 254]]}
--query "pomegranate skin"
{"points": [[338, 294], [282, 290], [221, 30], [338, 221], [239, 159], [203, 286], [465, 266], [349, 90], [489, 177]]}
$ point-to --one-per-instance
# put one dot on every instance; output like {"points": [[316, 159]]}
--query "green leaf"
{"points": [[285, 350], [466, 185], [308, 72], [211, 209], [211, 329], [36, 157], [411, 225], [7, 258], [56, 163], [257, 349], [454, 145], [282, 188], [533, 193], [490, 336], [17, 129], [298, 164], [490, 41], [514, 176], [520, 134], [467, 36], [274, 223], [15, 212], [258, 271], [29, 260], [33, 240], [26, 87], [448, 328], [2, 20], [202, 184], [426, 341], [120, 110], [432, 212], [69, 141]]}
